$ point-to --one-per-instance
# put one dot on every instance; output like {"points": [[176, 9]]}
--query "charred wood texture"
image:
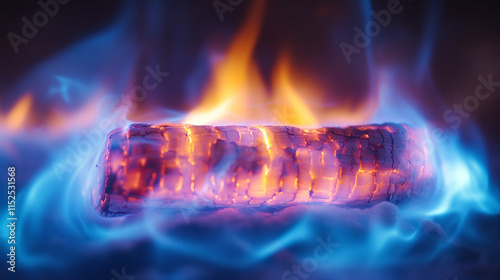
{"points": [[177, 166]]}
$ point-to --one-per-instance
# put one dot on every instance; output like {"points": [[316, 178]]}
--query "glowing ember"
{"points": [[175, 165]]}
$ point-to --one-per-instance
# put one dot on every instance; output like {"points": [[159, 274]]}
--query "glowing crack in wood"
{"points": [[175, 166]]}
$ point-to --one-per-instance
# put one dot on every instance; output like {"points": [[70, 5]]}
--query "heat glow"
{"points": [[237, 94], [59, 151]]}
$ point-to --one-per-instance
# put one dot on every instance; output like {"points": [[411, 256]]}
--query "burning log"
{"points": [[175, 166]]}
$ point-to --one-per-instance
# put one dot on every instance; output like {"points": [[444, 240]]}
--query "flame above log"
{"points": [[174, 166]]}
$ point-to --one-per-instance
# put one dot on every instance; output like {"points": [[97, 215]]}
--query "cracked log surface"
{"points": [[177, 166]]}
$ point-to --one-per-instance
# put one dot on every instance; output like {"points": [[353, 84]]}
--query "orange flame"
{"points": [[237, 93], [22, 117], [236, 79], [288, 91], [18, 115]]}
